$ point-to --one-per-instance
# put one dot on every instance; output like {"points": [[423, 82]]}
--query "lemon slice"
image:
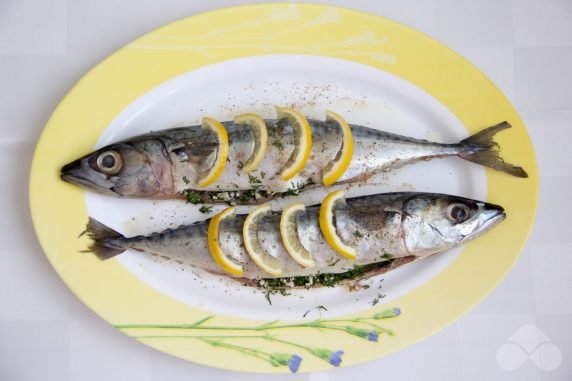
{"points": [[289, 233], [218, 166], [302, 142], [327, 224], [264, 260], [213, 242], [336, 168], [258, 125]]}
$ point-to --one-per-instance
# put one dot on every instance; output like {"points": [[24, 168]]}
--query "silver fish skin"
{"points": [[168, 164], [383, 228]]}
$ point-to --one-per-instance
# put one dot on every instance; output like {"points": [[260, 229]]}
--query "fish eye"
{"points": [[458, 213], [109, 162]]}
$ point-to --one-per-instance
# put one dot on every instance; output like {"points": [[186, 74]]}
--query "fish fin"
{"points": [[104, 244], [482, 149]]}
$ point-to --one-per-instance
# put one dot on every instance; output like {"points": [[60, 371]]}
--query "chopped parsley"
{"points": [[205, 209], [254, 180], [263, 174], [325, 280], [278, 144], [269, 293], [357, 234], [192, 196], [377, 299], [297, 188], [247, 195], [277, 128], [185, 180]]}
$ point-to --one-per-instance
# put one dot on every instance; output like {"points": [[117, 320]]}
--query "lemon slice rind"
{"points": [[302, 142], [336, 167], [222, 137], [213, 243], [265, 261], [289, 233], [258, 125], [327, 224]]}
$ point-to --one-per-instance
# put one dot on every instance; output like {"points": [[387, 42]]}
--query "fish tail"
{"points": [[106, 241], [482, 149]]}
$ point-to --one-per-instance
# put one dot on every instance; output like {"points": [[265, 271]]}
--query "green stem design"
{"points": [[324, 324], [206, 337], [210, 339], [249, 351], [354, 327]]}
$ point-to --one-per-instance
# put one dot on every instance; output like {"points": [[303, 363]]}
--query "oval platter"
{"points": [[247, 59]]}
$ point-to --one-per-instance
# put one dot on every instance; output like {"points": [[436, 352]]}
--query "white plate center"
{"points": [[362, 94]]}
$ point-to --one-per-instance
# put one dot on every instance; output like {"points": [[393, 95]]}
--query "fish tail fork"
{"points": [[480, 148], [106, 241]]}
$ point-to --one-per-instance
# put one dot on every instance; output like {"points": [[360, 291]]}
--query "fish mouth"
{"points": [[77, 174], [492, 216]]}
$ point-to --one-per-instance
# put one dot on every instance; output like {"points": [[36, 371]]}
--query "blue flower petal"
{"points": [[397, 311], [294, 363], [336, 358], [372, 336]]}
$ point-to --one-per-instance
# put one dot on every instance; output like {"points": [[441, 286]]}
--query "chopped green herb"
{"points": [[377, 299], [278, 144], [185, 180], [326, 280], [270, 292], [247, 195], [192, 196], [276, 129], [263, 174], [205, 209], [297, 188], [357, 234], [268, 297], [335, 263], [254, 180]]}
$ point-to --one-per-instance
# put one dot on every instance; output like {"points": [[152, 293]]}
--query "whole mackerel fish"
{"points": [[168, 164], [388, 230]]}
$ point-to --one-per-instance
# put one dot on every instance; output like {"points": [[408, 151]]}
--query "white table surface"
{"points": [[524, 46]]}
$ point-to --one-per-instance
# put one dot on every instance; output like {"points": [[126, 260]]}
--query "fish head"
{"points": [[138, 168], [434, 223]]}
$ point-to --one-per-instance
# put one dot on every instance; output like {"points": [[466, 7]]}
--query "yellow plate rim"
{"points": [[47, 195]]}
